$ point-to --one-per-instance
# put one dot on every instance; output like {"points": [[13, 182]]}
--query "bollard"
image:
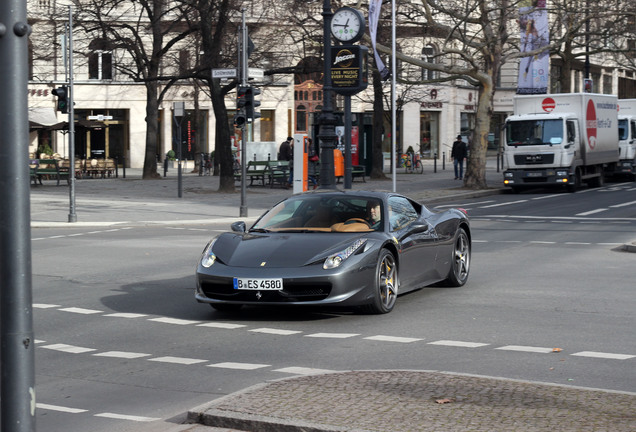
{"points": [[116, 166], [201, 164], [443, 161], [435, 163], [165, 167]]}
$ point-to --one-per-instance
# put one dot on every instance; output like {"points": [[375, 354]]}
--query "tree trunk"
{"points": [[475, 177], [223, 143], [152, 126], [377, 170]]}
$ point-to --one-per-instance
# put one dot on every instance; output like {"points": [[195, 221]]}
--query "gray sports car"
{"points": [[347, 248]]}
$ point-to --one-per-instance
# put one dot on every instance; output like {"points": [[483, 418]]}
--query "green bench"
{"points": [[358, 171], [278, 172], [49, 168]]}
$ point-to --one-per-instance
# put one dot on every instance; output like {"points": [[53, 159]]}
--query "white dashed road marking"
{"points": [[526, 349], [126, 315], [127, 417], [68, 348], [303, 371], [604, 355], [333, 335], [173, 321], [392, 339], [587, 213], [239, 366], [122, 354], [222, 325], [177, 360], [458, 344], [59, 408], [81, 311], [275, 331]]}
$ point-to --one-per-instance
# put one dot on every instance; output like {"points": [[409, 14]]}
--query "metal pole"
{"points": [[327, 119], [72, 216], [347, 136], [393, 98], [243, 80], [17, 352]]}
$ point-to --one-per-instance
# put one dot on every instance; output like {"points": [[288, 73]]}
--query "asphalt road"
{"points": [[123, 346]]}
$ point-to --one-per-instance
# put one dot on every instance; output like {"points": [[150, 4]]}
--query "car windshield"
{"points": [[317, 213], [534, 132], [623, 131]]}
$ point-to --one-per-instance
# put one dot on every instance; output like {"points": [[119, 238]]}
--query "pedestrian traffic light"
{"points": [[62, 98], [251, 103]]}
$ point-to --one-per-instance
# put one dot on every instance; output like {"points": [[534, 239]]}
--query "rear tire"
{"points": [[385, 284], [460, 261]]}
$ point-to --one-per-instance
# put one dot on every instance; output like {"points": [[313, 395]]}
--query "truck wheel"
{"points": [[576, 184]]}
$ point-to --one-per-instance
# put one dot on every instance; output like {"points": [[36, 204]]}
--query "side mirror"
{"points": [[239, 227]]}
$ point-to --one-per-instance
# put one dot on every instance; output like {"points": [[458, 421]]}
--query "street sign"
{"points": [[224, 73], [100, 117], [256, 73]]}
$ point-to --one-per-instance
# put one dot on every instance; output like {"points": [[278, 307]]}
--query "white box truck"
{"points": [[627, 137], [561, 139]]}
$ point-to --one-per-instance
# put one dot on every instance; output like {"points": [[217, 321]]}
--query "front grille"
{"points": [[223, 289], [534, 159]]}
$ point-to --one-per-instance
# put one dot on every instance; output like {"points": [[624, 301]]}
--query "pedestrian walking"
{"points": [[459, 154], [286, 153]]}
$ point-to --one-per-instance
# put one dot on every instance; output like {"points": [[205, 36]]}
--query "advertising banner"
{"points": [[534, 69]]}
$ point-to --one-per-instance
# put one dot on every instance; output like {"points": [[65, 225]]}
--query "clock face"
{"points": [[347, 25]]}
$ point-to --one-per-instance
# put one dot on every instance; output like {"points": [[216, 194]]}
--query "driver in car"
{"points": [[374, 214]]}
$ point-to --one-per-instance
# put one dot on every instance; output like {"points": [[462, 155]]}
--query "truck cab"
{"points": [[627, 145]]}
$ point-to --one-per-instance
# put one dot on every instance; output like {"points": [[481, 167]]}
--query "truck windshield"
{"points": [[623, 131], [534, 132]]}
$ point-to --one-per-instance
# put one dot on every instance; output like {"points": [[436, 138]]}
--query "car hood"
{"points": [[277, 249]]}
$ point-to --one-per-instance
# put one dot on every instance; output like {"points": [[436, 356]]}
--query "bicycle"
{"points": [[412, 163]]}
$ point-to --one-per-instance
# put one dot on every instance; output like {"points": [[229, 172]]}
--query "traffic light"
{"points": [[241, 97], [62, 98], [239, 119], [251, 103]]}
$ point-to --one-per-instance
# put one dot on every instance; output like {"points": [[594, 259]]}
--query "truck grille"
{"points": [[534, 159]]}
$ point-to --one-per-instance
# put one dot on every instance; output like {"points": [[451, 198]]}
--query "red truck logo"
{"points": [[590, 124]]}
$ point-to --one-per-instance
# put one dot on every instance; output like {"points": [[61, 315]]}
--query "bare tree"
{"points": [[142, 32]]}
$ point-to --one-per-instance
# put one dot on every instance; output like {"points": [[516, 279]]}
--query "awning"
{"points": [[44, 118]]}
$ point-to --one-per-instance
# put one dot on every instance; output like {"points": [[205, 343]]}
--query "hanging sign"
{"points": [[349, 71]]}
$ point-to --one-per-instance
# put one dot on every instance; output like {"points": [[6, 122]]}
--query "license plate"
{"points": [[258, 284], [535, 174]]}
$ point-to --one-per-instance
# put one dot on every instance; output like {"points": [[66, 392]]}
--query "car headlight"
{"points": [[508, 174], [208, 258], [336, 259]]}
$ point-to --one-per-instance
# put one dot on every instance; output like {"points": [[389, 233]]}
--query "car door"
{"points": [[416, 239]]}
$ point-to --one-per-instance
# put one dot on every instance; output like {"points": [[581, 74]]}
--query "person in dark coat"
{"points": [[459, 154]]}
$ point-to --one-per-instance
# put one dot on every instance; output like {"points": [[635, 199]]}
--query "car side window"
{"points": [[401, 213]]}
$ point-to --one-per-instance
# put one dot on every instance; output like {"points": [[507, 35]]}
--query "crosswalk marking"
{"points": [[458, 344], [275, 331], [332, 335], [59, 408], [222, 325], [127, 417], [126, 315], [604, 355], [81, 310], [393, 339], [177, 360], [303, 370], [526, 349], [122, 354], [239, 366], [174, 321], [68, 348]]}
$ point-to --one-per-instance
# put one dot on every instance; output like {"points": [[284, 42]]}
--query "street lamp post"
{"points": [[327, 119]]}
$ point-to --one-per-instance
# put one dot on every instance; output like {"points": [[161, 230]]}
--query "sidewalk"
{"points": [[133, 201], [410, 401]]}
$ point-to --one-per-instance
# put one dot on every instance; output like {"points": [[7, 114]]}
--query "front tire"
{"points": [[385, 287], [460, 261]]}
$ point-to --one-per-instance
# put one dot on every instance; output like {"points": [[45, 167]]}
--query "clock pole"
{"points": [[327, 119]]}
